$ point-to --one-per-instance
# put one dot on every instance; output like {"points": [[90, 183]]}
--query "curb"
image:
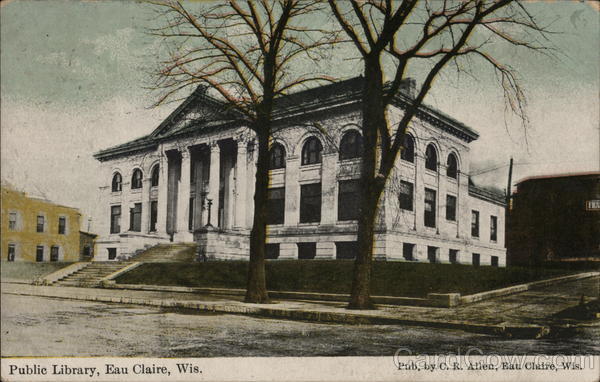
{"points": [[435, 300], [524, 287], [522, 331]]}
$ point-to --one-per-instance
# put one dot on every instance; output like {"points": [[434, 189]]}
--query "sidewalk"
{"points": [[524, 315]]}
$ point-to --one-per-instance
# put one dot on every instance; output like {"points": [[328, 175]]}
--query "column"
{"points": [[145, 226], [183, 199], [292, 191], [328, 186], [241, 197], [163, 182], [251, 159], [464, 211], [213, 182], [442, 190], [419, 192]]}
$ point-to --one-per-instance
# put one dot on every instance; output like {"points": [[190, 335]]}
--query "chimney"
{"points": [[408, 87]]}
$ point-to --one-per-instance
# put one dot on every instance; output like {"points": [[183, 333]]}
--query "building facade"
{"points": [[37, 230], [555, 218], [192, 179]]}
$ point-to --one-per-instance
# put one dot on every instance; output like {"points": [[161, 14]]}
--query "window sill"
{"points": [[349, 161], [136, 190], [277, 171], [312, 166], [309, 224]]}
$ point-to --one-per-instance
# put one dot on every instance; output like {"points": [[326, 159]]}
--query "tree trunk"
{"points": [[256, 290], [373, 114]]}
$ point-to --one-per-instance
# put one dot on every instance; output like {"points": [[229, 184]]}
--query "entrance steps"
{"points": [[92, 273], [168, 253]]}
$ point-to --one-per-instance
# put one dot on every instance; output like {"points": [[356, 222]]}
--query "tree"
{"points": [[391, 35], [243, 53]]}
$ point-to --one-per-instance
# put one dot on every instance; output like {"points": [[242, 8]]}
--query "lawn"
{"points": [[28, 271], [388, 278]]}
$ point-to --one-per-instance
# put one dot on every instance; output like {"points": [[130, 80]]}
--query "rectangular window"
{"points": [[406, 195], [191, 214], [310, 203], [346, 249], [432, 254], [494, 261], [476, 259], [451, 207], [493, 228], [453, 256], [135, 218], [12, 251], [12, 221], [272, 251], [307, 251], [153, 215], [348, 200], [475, 223], [40, 223], [275, 205], [429, 208], [408, 250], [112, 253], [115, 219], [62, 225], [54, 253], [39, 253]]}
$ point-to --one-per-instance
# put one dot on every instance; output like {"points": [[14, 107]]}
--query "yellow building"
{"points": [[38, 230]]}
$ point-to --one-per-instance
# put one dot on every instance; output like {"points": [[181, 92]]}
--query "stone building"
{"points": [[192, 179], [37, 230]]}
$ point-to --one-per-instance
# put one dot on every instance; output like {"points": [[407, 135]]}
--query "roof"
{"points": [[556, 176], [487, 193], [9, 188], [201, 113]]}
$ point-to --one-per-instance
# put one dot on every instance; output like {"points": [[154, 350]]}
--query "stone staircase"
{"points": [[168, 253], [92, 274]]}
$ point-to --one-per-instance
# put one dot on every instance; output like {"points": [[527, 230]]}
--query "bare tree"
{"points": [[243, 53], [391, 35]]}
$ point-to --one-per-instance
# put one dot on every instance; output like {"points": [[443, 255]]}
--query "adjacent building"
{"points": [[192, 180], [37, 230], [555, 218]]}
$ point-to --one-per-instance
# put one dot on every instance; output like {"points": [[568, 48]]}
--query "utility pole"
{"points": [[508, 186]]}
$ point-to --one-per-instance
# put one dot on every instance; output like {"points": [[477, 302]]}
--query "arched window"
{"points": [[431, 158], [408, 150], [117, 182], [351, 145], [277, 156], [136, 179], [155, 175], [311, 152], [452, 166]]}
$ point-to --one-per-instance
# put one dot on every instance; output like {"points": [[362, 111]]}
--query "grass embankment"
{"points": [[28, 271], [388, 278]]}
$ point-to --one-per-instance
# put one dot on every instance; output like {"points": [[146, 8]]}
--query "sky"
{"points": [[73, 77]]}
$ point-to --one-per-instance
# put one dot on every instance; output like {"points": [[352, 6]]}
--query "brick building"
{"points": [[192, 180], [38, 230], [555, 218]]}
